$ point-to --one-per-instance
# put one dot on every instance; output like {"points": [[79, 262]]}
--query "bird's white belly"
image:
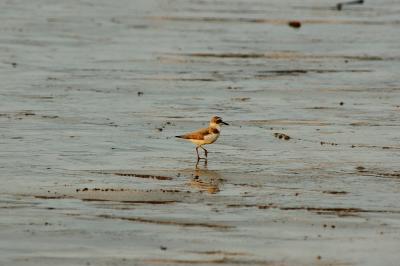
{"points": [[211, 138]]}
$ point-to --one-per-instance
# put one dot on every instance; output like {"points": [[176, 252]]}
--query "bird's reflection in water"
{"points": [[206, 180]]}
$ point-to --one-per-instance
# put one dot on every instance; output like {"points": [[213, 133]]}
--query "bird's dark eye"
{"points": [[219, 121]]}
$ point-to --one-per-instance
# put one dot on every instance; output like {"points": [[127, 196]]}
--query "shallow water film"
{"points": [[93, 92]]}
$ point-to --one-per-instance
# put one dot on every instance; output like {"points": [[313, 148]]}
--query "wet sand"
{"points": [[93, 92]]}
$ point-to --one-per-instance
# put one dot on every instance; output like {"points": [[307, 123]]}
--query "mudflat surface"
{"points": [[92, 93]]}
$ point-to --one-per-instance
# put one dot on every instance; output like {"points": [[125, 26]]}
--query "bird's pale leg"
{"points": [[205, 151], [198, 156], [197, 151]]}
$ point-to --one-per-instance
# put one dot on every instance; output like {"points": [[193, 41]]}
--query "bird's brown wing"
{"points": [[198, 134]]}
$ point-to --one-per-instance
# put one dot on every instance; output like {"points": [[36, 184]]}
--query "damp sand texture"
{"points": [[92, 93]]}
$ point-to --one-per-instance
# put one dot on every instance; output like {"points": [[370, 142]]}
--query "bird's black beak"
{"points": [[225, 123]]}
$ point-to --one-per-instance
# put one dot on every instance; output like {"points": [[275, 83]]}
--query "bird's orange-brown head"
{"points": [[216, 120]]}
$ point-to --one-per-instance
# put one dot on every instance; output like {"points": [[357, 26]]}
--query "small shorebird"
{"points": [[205, 135]]}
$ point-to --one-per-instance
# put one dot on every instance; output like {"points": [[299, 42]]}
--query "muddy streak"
{"points": [[375, 147], [52, 197], [272, 21], [335, 192], [16, 207], [145, 176], [89, 199], [293, 72], [377, 172], [228, 261], [231, 261], [289, 56], [329, 143], [96, 189], [285, 122], [337, 211], [117, 195], [320, 210], [149, 201], [158, 177], [320, 108], [166, 222], [135, 201], [220, 252]]}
